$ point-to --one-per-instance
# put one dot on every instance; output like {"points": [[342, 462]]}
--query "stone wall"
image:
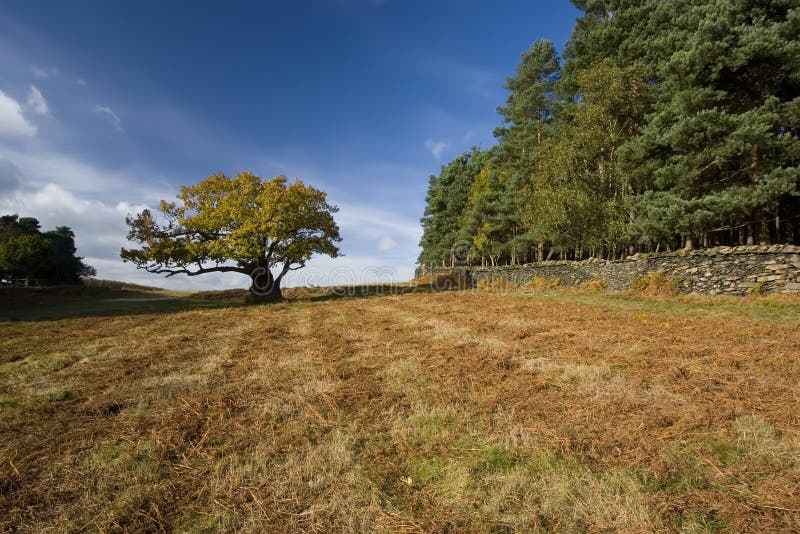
{"points": [[722, 270]]}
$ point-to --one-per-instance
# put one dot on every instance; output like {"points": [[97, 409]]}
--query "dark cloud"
{"points": [[10, 177]]}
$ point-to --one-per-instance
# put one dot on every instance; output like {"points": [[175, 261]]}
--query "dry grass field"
{"points": [[449, 412]]}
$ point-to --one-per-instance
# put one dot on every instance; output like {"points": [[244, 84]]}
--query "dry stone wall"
{"points": [[722, 270]]}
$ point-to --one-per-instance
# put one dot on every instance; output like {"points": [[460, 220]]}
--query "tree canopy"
{"points": [[243, 224], [27, 252], [665, 124]]}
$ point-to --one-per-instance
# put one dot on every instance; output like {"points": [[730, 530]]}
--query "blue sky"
{"points": [[107, 107]]}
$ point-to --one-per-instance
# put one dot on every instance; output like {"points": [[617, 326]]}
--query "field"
{"points": [[426, 412]]}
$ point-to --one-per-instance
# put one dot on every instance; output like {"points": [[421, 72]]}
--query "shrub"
{"points": [[757, 289], [655, 284], [595, 284], [496, 284], [540, 282]]}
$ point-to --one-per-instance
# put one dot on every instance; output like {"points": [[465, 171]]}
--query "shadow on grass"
{"points": [[115, 304], [53, 303]]}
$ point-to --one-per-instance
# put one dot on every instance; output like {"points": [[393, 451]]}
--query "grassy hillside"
{"points": [[560, 411]]}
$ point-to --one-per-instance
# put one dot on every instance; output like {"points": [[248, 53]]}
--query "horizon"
{"points": [[106, 109]]}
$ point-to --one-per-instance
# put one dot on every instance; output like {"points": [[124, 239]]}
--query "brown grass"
{"points": [[540, 283], [655, 284], [449, 412], [595, 284]]}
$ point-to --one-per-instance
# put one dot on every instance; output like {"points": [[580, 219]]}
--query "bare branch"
{"points": [[170, 271]]}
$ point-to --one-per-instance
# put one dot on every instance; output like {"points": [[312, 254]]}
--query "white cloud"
{"points": [[36, 101], [53, 198], [374, 223], [126, 208], [435, 147], [348, 270], [386, 243], [81, 82], [112, 117], [99, 225], [115, 269], [41, 167], [12, 122], [44, 72], [62, 190], [100, 230], [100, 233]]}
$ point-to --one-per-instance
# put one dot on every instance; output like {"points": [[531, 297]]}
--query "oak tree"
{"points": [[243, 224]]}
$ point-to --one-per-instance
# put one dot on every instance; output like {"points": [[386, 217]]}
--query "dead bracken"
{"points": [[435, 412]]}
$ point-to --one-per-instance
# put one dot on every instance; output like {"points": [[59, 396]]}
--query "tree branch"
{"points": [[287, 266], [161, 269]]}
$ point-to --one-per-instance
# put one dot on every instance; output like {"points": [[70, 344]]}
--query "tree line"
{"points": [[27, 252], [664, 124]]}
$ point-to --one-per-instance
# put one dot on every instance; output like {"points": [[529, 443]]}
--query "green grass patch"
{"points": [[11, 403], [707, 523], [682, 473], [58, 395], [491, 460], [769, 309], [430, 429]]}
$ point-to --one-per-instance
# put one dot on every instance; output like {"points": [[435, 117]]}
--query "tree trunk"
{"points": [[263, 287], [763, 230]]}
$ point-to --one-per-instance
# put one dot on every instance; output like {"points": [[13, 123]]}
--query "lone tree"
{"points": [[243, 225]]}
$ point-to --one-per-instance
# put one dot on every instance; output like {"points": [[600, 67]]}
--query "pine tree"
{"points": [[447, 201], [670, 123], [721, 146]]}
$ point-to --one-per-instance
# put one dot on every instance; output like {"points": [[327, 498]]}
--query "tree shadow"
{"points": [[51, 304], [112, 304]]}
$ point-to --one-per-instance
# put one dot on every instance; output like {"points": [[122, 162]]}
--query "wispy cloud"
{"points": [[435, 147], [12, 122], [386, 243], [111, 117], [467, 77], [60, 190], [81, 82], [374, 223], [36, 101], [44, 72]]}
